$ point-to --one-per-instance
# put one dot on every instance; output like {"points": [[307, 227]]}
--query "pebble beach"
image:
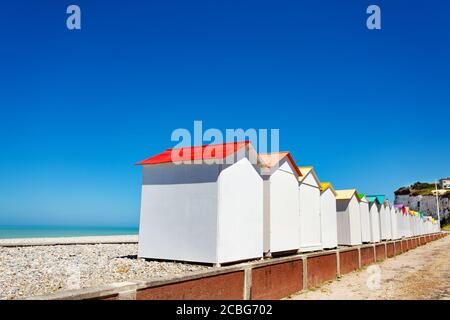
{"points": [[31, 267]]}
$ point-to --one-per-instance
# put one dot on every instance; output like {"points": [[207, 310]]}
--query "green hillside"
{"points": [[418, 188]]}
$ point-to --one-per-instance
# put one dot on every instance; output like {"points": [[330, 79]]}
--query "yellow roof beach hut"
{"points": [[309, 213], [348, 217], [328, 215]]}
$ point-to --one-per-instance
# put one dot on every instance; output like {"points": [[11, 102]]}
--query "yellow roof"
{"points": [[327, 185], [346, 194], [305, 170]]}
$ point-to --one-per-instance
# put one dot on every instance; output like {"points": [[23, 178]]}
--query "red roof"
{"points": [[209, 151]]}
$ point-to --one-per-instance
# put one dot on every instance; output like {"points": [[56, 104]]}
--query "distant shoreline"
{"points": [[47, 241], [19, 232]]}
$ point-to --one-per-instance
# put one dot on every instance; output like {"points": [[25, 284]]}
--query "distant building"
{"points": [[444, 183]]}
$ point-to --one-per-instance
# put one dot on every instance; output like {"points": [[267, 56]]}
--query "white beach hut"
{"points": [[436, 227], [395, 223], [420, 225], [328, 215], [281, 203], [388, 220], [406, 224], [401, 221], [384, 211], [202, 204], [348, 217], [415, 223], [383, 214], [365, 218], [374, 219], [409, 226], [429, 225], [424, 225], [309, 213]]}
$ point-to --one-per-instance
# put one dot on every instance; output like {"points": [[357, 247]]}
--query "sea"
{"points": [[11, 232]]}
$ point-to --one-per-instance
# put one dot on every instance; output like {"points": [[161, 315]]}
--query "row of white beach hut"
{"points": [[225, 203]]}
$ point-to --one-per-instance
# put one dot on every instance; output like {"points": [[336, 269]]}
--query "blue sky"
{"points": [[369, 109]]}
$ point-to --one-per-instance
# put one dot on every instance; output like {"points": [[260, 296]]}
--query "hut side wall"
{"points": [[310, 221], [178, 218], [343, 222], [374, 223], [365, 221], [355, 221], [240, 206], [284, 208], [329, 219]]}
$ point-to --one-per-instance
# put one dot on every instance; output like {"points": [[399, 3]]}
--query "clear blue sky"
{"points": [[369, 109]]}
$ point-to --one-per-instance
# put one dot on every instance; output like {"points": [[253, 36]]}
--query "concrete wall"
{"points": [[367, 256], [320, 268], [277, 281], [348, 261], [268, 279]]}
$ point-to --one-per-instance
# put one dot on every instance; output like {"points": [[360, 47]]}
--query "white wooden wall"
{"points": [[388, 222], [394, 224], [309, 214], [240, 223], [201, 213], [365, 221], [329, 219], [178, 218], [374, 223], [349, 222], [282, 210], [355, 221], [383, 222]]}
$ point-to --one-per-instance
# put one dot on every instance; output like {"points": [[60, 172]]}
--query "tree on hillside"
{"points": [[422, 185]]}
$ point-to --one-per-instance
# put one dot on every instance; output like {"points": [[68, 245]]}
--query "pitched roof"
{"points": [[269, 160], [362, 196], [379, 197], [305, 171], [346, 194], [372, 199], [327, 185], [213, 151]]}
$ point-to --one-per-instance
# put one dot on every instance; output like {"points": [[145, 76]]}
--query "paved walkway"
{"points": [[421, 273]]}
